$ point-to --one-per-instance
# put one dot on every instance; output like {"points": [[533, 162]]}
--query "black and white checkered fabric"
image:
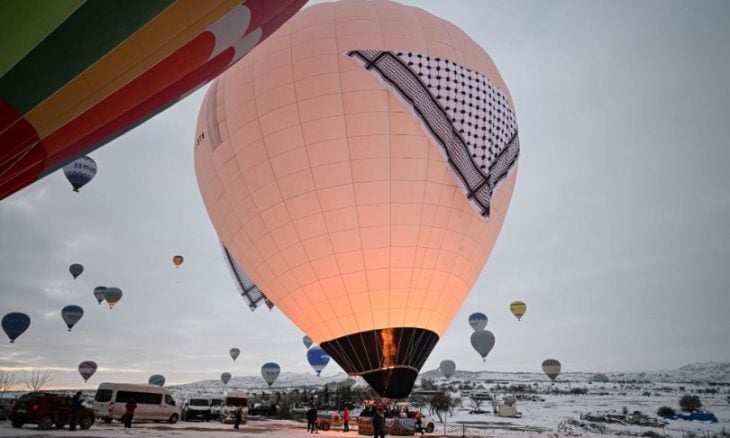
{"points": [[465, 113], [252, 295]]}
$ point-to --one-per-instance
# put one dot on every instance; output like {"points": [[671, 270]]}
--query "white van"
{"points": [[153, 402], [234, 399]]}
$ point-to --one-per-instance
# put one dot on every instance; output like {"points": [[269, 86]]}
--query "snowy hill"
{"points": [[710, 372]]}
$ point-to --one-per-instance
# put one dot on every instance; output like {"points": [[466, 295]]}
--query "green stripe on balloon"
{"points": [[81, 40]]}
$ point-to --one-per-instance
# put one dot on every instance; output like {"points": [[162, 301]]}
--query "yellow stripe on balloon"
{"points": [[157, 40]]}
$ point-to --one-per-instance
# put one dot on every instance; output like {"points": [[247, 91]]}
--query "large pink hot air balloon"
{"points": [[358, 166]]}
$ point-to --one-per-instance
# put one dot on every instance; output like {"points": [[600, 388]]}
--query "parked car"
{"points": [[153, 402], [5, 405], [46, 409], [215, 408], [263, 409], [196, 409]]}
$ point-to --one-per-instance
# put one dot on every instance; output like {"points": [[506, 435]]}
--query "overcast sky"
{"points": [[618, 235]]}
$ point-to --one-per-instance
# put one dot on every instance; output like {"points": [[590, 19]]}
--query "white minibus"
{"points": [[153, 402]]}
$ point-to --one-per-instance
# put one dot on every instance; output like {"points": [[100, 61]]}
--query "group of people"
{"points": [[76, 403], [313, 421]]}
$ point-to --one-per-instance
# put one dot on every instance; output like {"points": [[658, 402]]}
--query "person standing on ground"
{"points": [[346, 419], [129, 412], [237, 417], [311, 416], [75, 406], [419, 422], [379, 423]]}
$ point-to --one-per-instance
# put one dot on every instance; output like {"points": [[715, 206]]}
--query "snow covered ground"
{"points": [[558, 416]]}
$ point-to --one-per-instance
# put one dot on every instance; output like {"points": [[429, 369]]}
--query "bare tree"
{"points": [[36, 379], [7, 379]]}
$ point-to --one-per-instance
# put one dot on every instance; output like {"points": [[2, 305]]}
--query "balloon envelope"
{"points": [[234, 352], [518, 308], [112, 296], [317, 358], [447, 367], [178, 260], [270, 372], [551, 368], [71, 314], [80, 73], [478, 321], [14, 324], [99, 293], [225, 378], [483, 342], [79, 172], [76, 270], [348, 205], [87, 369], [156, 379], [307, 341]]}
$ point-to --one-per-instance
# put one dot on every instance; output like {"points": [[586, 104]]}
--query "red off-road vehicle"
{"points": [[46, 410]]}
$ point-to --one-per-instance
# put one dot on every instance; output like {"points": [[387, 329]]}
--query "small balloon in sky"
{"points": [[112, 296], [71, 314], [76, 270], [156, 379], [234, 352], [483, 342], [270, 372], [478, 321], [178, 260], [80, 171], [317, 358], [14, 324], [99, 293], [87, 369], [518, 308], [225, 378]]}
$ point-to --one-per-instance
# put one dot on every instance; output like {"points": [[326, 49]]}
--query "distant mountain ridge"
{"points": [[708, 372]]}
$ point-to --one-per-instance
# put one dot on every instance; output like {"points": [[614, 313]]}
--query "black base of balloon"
{"points": [[388, 359]]}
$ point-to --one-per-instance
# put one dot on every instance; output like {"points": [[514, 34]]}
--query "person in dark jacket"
{"points": [[311, 419], [379, 423], [129, 412], [237, 417], [75, 406]]}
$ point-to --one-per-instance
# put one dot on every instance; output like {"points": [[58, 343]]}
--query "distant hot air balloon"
{"points": [[225, 378], [112, 296], [518, 308], [99, 293], [234, 352], [14, 324], [177, 261], [307, 341], [551, 367], [156, 379], [80, 171], [76, 270], [483, 342], [447, 367], [317, 358], [478, 321], [87, 369], [270, 372], [366, 198], [71, 314], [81, 73]]}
